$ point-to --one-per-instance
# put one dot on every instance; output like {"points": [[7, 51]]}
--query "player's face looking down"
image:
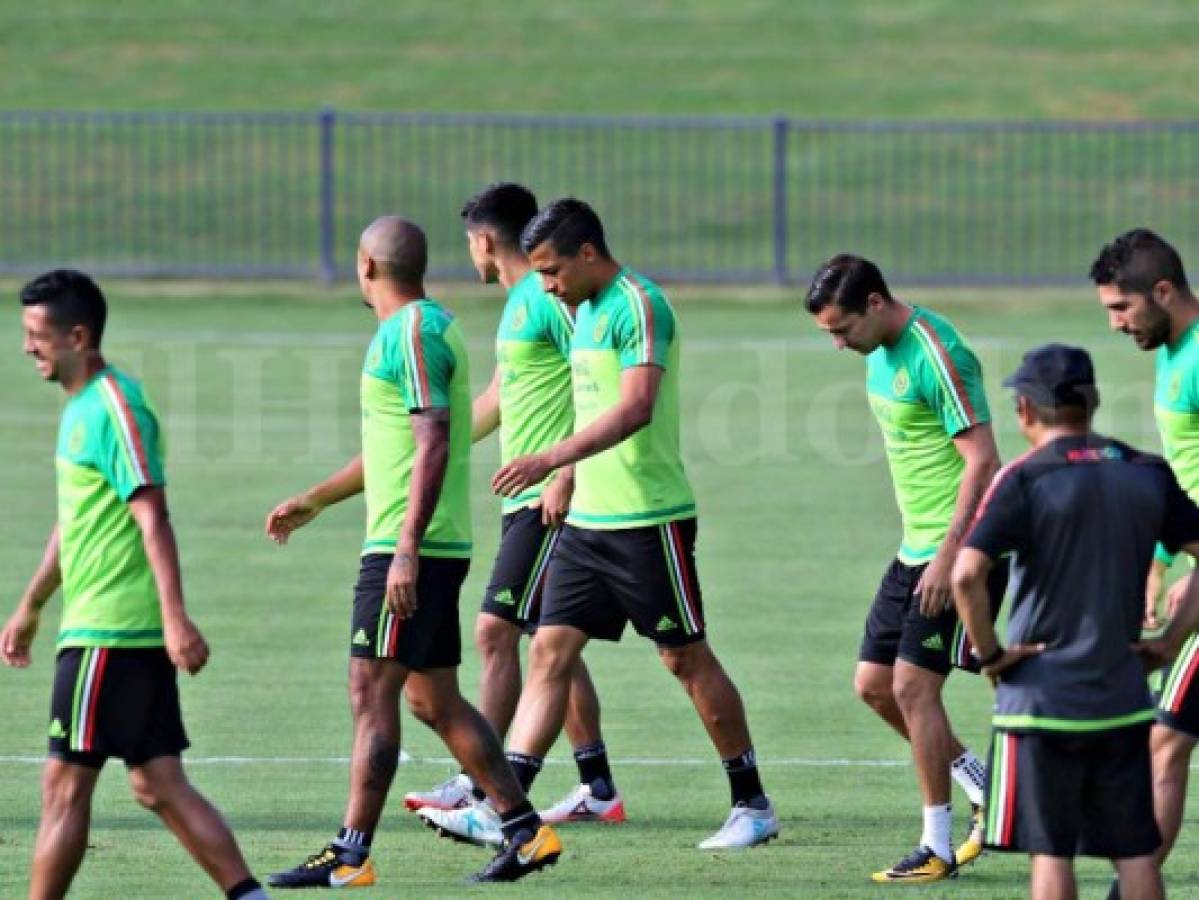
{"points": [[571, 279], [1143, 318], [860, 332]]}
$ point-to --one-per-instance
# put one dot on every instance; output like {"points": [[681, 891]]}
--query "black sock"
{"points": [[744, 781], [355, 845], [520, 818], [526, 768], [1114, 891], [242, 888], [477, 793], [592, 760]]}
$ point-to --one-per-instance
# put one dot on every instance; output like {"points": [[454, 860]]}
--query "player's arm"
{"points": [[973, 601], [632, 412], [981, 457], [19, 631], [431, 434], [485, 411], [298, 511], [184, 644], [1183, 622]]}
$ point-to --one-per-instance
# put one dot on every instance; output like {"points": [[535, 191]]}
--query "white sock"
{"points": [[938, 831], [971, 775]]}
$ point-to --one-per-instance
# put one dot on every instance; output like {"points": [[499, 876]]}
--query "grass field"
{"points": [[943, 59], [258, 390]]}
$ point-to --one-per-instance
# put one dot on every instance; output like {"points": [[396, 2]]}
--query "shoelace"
{"points": [[317, 860], [915, 859]]}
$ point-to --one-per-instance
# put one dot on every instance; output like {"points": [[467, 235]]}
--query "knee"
{"points": [[423, 710], [913, 691], [149, 795], [691, 663], [495, 639], [551, 661], [874, 692], [1171, 754], [364, 692], [679, 664], [63, 795]]}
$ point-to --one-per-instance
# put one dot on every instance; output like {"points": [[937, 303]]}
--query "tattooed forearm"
{"points": [[431, 431]]}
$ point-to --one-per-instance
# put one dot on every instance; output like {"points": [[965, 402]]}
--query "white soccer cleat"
{"points": [[453, 793], [580, 806], [745, 827], [476, 824]]}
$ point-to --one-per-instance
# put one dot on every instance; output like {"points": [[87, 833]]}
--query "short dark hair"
{"points": [[846, 280], [1069, 416], [71, 298], [567, 224], [505, 207], [1136, 261]]}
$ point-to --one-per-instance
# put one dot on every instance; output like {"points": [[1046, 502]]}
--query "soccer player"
{"points": [[529, 400], [626, 551], [926, 390], [124, 628], [1070, 767], [414, 469], [1143, 286]]}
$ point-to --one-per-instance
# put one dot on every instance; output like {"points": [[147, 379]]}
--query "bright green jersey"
{"points": [[1176, 408], [416, 361], [532, 351], [108, 447], [924, 391], [641, 480]]}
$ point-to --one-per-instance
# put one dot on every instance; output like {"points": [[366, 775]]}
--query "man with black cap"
{"points": [[1080, 512]]}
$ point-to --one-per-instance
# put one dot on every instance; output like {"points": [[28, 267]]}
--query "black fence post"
{"points": [[327, 120], [779, 189]]}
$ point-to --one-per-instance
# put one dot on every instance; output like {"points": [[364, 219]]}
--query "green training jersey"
{"points": [[532, 352], [1176, 409], [417, 360], [641, 480], [923, 391], [108, 447]]}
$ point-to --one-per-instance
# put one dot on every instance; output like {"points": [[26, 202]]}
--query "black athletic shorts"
{"points": [[1068, 794], [115, 701], [599, 580], [896, 629], [518, 575], [428, 640], [1178, 705]]}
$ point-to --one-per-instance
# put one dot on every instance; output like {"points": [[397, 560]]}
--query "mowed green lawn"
{"points": [[258, 390]]}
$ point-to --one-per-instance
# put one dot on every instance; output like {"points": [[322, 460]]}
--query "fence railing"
{"points": [[697, 199]]}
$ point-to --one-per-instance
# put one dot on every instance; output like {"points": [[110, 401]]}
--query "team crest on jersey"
{"points": [[601, 325], [76, 438], [519, 318], [901, 382]]}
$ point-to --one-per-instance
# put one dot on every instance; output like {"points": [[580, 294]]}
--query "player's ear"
{"points": [[1162, 292], [875, 301], [588, 253]]}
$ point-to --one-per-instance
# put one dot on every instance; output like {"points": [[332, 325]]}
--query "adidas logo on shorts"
{"points": [[360, 638], [933, 643]]}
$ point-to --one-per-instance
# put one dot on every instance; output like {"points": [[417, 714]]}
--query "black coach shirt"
{"points": [[1081, 516]]}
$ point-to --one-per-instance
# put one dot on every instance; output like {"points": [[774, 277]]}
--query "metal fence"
{"points": [[695, 199]]}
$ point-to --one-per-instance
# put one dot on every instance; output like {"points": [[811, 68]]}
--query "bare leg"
{"points": [[714, 695], [1052, 878], [542, 708], [873, 683], [375, 705], [161, 787], [1171, 760], [499, 680], [1140, 878], [918, 693], [434, 698], [62, 834], [582, 709]]}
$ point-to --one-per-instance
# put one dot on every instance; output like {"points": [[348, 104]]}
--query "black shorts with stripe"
{"points": [[518, 575], [430, 639], [115, 701], [896, 629], [1067, 794], [1178, 704], [599, 580]]}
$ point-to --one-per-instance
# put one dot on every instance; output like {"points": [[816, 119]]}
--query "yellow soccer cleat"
{"points": [[921, 866], [327, 869], [972, 848]]}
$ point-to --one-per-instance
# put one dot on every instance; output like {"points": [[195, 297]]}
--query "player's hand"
{"points": [[1155, 653], [17, 637], [290, 515], [555, 499], [186, 647], [1176, 594], [521, 473], [1011, 655], [935, 587], [401, 584], [1153, 591]]}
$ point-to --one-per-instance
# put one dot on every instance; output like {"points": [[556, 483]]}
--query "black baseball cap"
{"points": [[1056, 375]]}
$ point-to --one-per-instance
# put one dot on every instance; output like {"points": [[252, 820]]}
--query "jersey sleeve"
{"points": [[427, 365], [1180, 525], [951, 381], [643, 328], [1001, 523], [127, 451]]}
